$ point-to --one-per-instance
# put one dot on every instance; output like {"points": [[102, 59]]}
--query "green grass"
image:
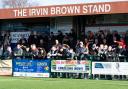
{"points": [[54, 83]]}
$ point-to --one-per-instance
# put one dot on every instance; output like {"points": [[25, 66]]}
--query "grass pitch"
{"points": [[58, 83]]}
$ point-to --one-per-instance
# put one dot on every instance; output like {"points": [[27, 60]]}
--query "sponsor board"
{"points": [[71, 66], [5, 67], [110, 68], [31, 68]]}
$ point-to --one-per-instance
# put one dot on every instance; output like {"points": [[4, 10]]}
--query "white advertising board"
{"points": [[110, 68], [70, 66]]}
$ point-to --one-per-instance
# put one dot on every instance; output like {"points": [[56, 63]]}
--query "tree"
{"points": [[17, 3]]}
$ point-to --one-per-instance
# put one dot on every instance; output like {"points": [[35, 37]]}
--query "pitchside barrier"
{"points": [[6, 67], [58, 68], [31, 68], [70, 67], [119, 69]]}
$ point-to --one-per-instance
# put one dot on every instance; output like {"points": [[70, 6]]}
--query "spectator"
{"points": [[101, 53], [115, 34], [109, 38], [66, 45], [71, 54], [66, 40], [52, 53], [110, 54], [95, 49], [90, 36], [41, 53], [57, 44], [23, 41], [105, 49], [33, 39], [126, 38], [82, 51], [63, 52], [41, 43], [34, 51], [53, 38], [1, 36], [100, 37], [66, 51], [60, 36], [1, 50], [27, 53], [86, 42], [18, 51], [105, 42], [121, 43], [7, 53]]}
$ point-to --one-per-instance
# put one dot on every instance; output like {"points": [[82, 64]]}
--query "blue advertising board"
{"points": [[31, 68]]}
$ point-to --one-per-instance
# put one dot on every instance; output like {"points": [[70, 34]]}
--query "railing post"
{"points": [[91, 57]]}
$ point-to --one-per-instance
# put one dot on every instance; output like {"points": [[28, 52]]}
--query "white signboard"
{"points": [[16, 36], [70, 66], [110, 68], [76, 68]]}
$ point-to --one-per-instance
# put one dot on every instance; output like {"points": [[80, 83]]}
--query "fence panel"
{"points": [[31, 68]]}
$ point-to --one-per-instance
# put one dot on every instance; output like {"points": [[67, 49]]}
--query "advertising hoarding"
{"points": [[5, 67], [31, 68], [70, 66], [110, 68]]}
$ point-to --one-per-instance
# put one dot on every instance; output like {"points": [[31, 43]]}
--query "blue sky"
{"points": [[57, 2]]}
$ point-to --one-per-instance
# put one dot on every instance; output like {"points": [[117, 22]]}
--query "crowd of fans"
{"points": [[103, 45]]}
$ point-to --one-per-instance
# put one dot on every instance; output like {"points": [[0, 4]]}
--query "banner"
{"points": [[110, 68], [71, 66], [31, 68], [5, 67], [16, 36]]}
